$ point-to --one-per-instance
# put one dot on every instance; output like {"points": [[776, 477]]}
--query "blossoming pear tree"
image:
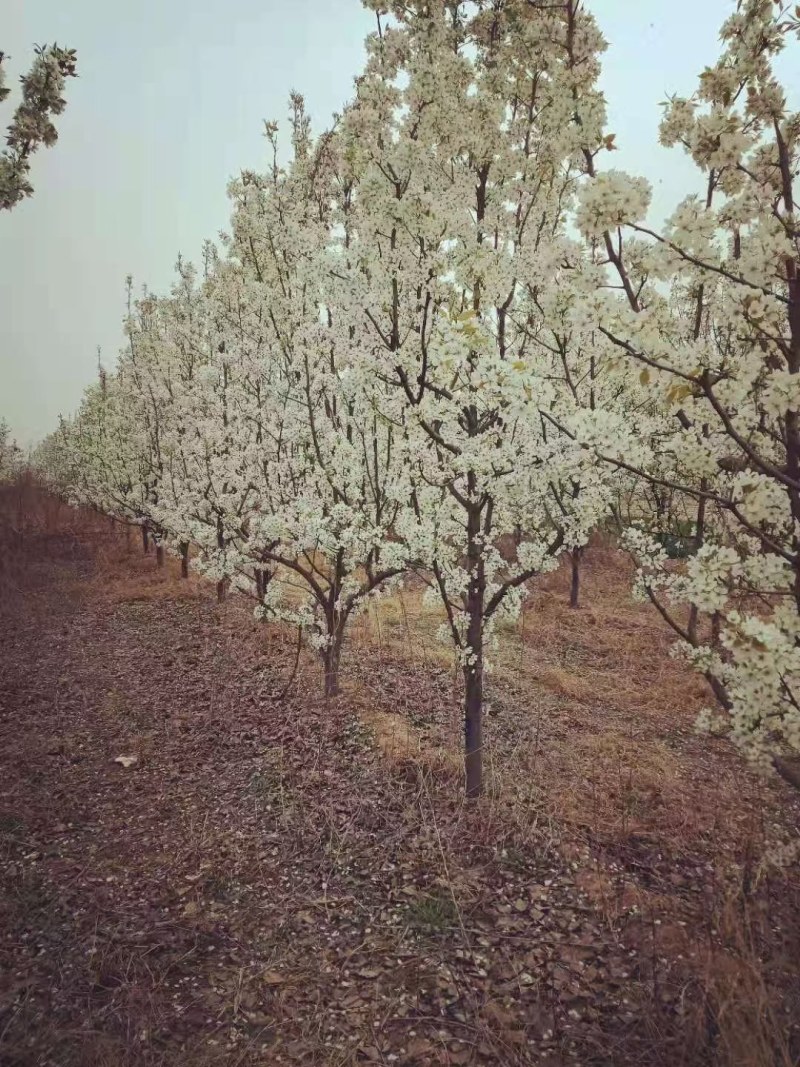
{"points": [[327, 473], [10, 452], [103, 452], [717, 344], [459, 160]]}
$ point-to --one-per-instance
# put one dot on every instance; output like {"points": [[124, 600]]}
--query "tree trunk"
{"points": [[575, 588], [222, 588], [473, 669], [145, 541], [332, 658], [159, 555], [473, 723], [184, 559]]}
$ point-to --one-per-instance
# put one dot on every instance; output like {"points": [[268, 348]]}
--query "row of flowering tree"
{"points": [[441, 339]]}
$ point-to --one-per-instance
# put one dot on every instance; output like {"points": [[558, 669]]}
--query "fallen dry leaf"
{"points": [[370, 1053], [419, 1046]]}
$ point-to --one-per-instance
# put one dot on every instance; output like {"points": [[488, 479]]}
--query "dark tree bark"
{"points": [[332, 658], [222, 589], [262, 579], [145, 540], [184, 559], [159, 555], [576, 557], [473, 722], [473, 670]]}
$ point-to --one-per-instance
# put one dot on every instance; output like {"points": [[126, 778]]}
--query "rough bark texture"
{"points": [[332, 658], [145, 541], [473, 670], [473, 726], [575, 586], [184, 560], [159, 555]]}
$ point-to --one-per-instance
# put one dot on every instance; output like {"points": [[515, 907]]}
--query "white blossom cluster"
{"points": [[32, 123]]}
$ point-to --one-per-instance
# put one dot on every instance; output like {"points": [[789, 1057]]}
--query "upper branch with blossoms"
{"points": [[32, 124]]}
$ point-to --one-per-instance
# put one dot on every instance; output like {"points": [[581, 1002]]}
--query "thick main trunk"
{"points": [[575, 586], [331, 659], [184, 559], [473, 667], [145, 541], [159, 555], [222, 589], [473, 725]]}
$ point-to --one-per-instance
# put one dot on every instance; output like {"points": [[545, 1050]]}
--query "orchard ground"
{"points": [[273, 879]]}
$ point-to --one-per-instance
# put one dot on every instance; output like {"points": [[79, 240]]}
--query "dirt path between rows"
{"points": [[264, 884]]}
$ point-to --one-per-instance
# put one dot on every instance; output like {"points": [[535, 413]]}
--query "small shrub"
{"points": [[433, 914]]}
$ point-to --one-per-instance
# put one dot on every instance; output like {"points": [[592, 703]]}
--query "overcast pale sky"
{"points": [[169, 105]]}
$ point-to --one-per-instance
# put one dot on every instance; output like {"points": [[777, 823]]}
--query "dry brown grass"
{"points": [[124, 574], [736, 1011], [605, 747], [615, 708]]}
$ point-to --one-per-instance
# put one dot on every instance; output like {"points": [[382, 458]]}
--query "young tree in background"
{"points": [[32, 124], [326, 476], [10, 452]]}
